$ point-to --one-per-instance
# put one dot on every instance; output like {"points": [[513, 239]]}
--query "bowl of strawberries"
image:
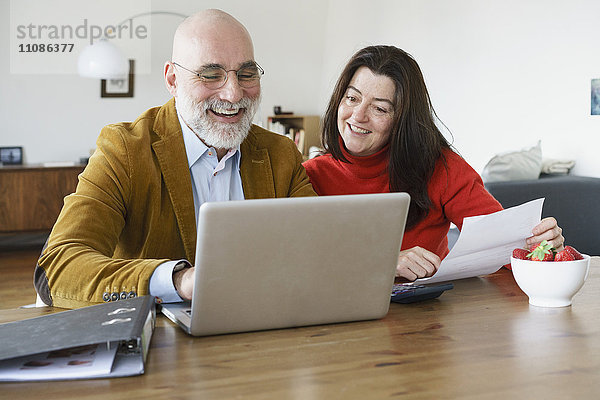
{"points": [[549, 278]]}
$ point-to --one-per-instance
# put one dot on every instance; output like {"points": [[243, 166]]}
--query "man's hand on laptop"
{"points": [[183, 281], [416, 263]]}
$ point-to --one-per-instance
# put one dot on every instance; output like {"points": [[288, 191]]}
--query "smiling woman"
{"points": [[380, 135], [365, 116]]}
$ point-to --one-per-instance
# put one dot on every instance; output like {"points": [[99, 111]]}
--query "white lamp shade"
{"points": [[103, 60]]}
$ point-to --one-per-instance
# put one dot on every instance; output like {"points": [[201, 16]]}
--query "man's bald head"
{"points": [[220, 116], [211, 37]]}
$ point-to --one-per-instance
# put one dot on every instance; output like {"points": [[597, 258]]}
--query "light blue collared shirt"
{"points": [[212, 180]]}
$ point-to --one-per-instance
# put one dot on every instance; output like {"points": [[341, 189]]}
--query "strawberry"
{"points": [[521, 254], [576, 255], [541, 252], [564, 255]]}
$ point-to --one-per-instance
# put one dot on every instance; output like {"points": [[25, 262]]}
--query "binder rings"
{"points": [[101, 341]]}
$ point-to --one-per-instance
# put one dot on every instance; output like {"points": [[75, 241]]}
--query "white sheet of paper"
{"points": [[486, 242]]}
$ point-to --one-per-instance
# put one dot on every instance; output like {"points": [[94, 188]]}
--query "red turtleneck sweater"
{"points": [[456, 192]]}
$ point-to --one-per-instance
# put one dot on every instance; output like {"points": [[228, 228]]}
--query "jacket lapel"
{"points": [[171, 155], [255, 170]]}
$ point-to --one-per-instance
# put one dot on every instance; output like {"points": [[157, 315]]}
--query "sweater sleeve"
{"points": [[321, 174], [463, 194]]}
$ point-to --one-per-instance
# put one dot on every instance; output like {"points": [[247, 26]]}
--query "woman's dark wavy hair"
{"points": [[415, 141]]}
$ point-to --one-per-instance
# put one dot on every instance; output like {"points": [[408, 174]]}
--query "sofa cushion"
{"points": [[514, 166]]}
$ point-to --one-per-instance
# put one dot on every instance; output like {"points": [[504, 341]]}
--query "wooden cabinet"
{"points": [[308, 126], [31, 197]]}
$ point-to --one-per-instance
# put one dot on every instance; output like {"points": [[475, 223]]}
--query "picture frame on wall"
{"points": [[11, 155], [595, 96], [119, 87]]}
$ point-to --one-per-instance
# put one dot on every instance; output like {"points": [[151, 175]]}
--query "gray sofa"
{"points": [[573, 200]]}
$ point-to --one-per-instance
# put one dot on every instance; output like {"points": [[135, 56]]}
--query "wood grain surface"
{"points": [[481, 340], [32, 197]]}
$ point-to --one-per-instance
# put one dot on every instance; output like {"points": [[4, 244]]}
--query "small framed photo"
{"points": [[595, 96], [11, 155], [118, 87]]}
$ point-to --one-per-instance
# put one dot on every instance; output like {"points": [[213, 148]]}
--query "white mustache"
{"points": [[226, 107]]}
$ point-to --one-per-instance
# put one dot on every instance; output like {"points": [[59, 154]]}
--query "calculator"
{"points": [[410, 292]]}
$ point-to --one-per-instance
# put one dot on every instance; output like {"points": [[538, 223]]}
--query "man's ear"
{"points": [[170, 79]]}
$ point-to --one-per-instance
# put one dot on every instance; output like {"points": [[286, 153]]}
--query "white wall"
{"points": [[58, 117], [501, 73]]}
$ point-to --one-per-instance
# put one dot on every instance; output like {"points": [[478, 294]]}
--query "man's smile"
{"points": [[227, 112]]}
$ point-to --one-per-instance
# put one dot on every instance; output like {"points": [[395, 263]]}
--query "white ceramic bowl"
{"points": [[550, 283]]}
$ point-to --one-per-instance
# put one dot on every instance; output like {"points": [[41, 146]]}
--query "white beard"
{"points": [[219, 135]]}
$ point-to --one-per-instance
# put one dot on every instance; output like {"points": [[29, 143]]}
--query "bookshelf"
{"points": [[303, 129]]}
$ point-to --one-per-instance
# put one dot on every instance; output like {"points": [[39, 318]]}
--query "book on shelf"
{"points": [[299, 139], [277, 127], [297, 135]]}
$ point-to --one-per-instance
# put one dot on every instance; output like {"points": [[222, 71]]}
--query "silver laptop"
{"points": [[281, 263]]}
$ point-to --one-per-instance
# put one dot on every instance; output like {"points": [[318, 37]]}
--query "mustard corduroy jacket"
{"points": [[133, 208]]}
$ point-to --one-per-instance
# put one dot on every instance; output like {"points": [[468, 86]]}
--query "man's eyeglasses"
{"points": [[215, 77]]}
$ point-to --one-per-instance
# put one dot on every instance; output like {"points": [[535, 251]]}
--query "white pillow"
{"points": [[514, 166]]}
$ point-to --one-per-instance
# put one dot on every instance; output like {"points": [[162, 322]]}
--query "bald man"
{"points": [[130, 227]]}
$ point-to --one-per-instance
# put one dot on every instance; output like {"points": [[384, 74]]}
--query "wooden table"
{"points": [[481, 340]]}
